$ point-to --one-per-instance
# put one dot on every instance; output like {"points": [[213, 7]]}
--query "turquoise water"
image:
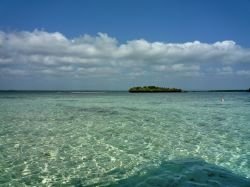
{"points": [[91, 139]]}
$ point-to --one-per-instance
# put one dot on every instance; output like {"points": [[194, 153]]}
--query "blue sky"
{"points": [[189, 44]]}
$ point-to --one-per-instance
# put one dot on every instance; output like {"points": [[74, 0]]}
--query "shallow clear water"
{"points": [[104, 138]]}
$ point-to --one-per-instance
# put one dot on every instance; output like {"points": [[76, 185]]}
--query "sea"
{"points": [[76, 138]]}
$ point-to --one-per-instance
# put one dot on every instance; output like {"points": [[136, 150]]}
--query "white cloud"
{"points": [[225, 70], [182, 67], [40, 52], [65, 68], [13, 71], [243, 72]]}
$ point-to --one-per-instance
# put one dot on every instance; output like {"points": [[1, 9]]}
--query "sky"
{"points": [[114, 45]]}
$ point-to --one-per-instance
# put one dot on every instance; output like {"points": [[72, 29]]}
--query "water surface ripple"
{"points": [[104, 139]]}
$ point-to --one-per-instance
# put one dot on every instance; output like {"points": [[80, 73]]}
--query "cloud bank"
{"points": [[41, 53]]}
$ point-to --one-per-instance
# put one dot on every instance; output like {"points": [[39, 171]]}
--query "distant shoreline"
{"points": [[104, 91], [219, 91]]}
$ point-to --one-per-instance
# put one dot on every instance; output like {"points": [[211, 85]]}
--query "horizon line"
{"points": [[90, 90]]}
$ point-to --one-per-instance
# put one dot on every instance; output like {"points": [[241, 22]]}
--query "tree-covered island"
{"points": [[151, 89]]}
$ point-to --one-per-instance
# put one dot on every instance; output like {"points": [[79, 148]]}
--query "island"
{"points": [[152, 89]]}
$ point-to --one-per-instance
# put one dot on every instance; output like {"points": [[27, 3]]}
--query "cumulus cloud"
{"points": [[39, 52], [243, 72]]}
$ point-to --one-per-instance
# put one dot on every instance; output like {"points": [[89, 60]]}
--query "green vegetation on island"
{"points": [[153, 89]]}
